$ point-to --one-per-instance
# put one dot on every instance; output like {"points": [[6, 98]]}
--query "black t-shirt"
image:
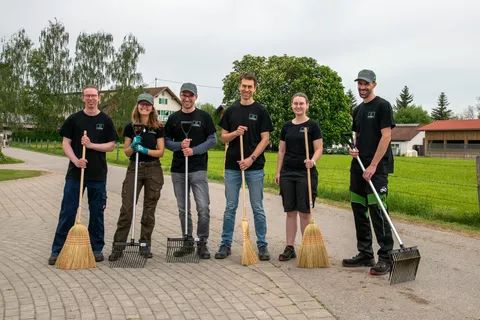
{"points": [[99, 129], [368, 121], [201, 126], [149, 140], [294, 137], [254, 116]]}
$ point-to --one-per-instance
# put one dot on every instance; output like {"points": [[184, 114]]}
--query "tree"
{"points": [[406, 98], [207, 107], [280, 77], [50, 71], [352, 100], [93, 55], [412, 114], [14, 78], [127, 81], [442, 113]]}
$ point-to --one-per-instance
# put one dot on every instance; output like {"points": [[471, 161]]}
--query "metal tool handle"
{"points": [[347, 140], [137, 127], [186, 132]]}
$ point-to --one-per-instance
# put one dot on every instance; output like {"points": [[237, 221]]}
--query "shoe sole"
{"points": [[376, 273], [358, 265]]}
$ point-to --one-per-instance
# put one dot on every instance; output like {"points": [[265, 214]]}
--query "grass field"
{"points": [[6, 174], [7, 160], [432, 189]]}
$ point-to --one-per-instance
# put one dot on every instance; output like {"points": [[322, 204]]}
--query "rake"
{"points": [[405, 260], [131, 254], [184, 250]]}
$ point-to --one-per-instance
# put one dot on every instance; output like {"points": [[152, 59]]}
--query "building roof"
{"points": [[405, 132], [448, 125], [154, 92]]}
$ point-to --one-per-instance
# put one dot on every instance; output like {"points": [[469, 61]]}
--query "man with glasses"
{"points": [[100, 138], [190, 132]]}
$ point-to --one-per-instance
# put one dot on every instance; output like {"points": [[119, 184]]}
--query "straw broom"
{"points": [[77, 252], [249, 256], [312, 253]]}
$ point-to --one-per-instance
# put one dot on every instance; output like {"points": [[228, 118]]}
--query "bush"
{"points": [[37, 134]]}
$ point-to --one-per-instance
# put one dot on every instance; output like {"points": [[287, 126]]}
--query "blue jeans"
{"points": [[97, 199], [233, 183]]}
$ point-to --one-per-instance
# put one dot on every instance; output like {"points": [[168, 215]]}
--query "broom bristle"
{"points": [[249, 256], [312, 253], [77, 251]]}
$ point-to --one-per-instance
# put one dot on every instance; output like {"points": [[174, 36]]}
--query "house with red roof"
{"points": [[407, 137], [452, 138]]}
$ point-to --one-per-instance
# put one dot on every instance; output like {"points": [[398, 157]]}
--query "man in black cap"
{"points": [[372, 124], [190, 132]]}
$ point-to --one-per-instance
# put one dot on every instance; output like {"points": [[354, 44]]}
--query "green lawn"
{"points": [[7, 160], [431, 189], [6, 174]]}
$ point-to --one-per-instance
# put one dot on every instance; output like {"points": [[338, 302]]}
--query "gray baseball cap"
{"points": [[367, 75], [145, 97], [189, 87]]}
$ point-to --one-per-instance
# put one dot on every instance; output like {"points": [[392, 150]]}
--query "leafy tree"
{"points": [[406, 98], [50, 72], [93, 54], [352, 100], [442, 113], [208, 107], [412, 114], [127, 81], [280, 77], [14, 78]]}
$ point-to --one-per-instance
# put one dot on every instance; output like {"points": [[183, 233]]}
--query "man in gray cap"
{"points": [[190, 132], [372, 124]]}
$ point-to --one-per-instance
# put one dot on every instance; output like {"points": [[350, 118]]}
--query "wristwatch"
{"points": [[313, 162], [254, 158]]}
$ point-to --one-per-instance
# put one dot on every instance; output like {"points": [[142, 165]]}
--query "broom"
{"points": [[249, 256], [312, 253], [77, 251]]}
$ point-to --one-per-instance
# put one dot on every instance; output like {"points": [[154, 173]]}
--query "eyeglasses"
{"points": [[187, 96], [88, 96], [145, 105]]}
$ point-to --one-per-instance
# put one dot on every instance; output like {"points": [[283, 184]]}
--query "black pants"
{"points": [[364, 201]]}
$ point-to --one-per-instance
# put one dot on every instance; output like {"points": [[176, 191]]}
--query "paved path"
{"points": [[447, 285]]}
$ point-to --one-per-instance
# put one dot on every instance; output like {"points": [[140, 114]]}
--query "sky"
{"points": [[430, 46]]}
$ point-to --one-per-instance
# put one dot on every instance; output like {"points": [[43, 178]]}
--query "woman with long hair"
{"points": [[292, 169], [150, 145]]}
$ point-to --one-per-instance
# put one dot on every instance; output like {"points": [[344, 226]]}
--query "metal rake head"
{"points": [[182, 250], [405, 263], [129, 255]]}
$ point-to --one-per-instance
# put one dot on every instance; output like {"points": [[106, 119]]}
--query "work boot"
{"points": [[263, 254], [203, 252], [382, 267], [99, 257], [288, 253], [52, 260], [183, 251], [223, 252], [115, 255], [360, 260], [146, 252]]}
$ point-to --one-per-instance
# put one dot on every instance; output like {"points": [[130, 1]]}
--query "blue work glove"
{"points": [[141, 149], [137, 140]]}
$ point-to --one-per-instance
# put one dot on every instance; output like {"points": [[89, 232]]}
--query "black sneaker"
{"points": [[263, 254], [203, 252], [99, 257], [183, 251], [146, 252], [52, 260], [115, 255], [382, 267], [288, 253], [223, 252], [360, 260]]}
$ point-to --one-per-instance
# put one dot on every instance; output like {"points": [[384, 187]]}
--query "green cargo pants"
{"points": [[150, 177]]}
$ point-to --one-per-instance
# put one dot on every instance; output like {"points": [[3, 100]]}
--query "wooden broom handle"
{"points": [[82, 174], [305, 131], [243, 181]]}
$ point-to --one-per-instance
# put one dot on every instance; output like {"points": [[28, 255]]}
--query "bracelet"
{"points": [[313, 161], [254, 158]]}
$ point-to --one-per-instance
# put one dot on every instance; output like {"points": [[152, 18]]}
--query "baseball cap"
{"points": [[367, 75], [145, 97], [189, 87]]}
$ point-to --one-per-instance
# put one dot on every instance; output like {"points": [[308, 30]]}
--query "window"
{"points": [[166, 101]]}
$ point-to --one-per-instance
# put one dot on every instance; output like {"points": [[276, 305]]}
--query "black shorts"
{"points": [[294, 190]]}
